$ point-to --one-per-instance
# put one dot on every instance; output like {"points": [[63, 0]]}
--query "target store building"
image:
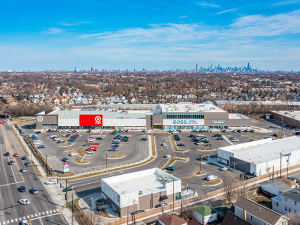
{"points": [[181, 116]]}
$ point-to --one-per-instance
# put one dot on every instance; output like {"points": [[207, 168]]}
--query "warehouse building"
{"points": [[288, 118], [259, 157], [140, 190], [185, 116]]}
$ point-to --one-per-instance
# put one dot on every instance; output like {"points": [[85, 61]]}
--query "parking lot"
{"points": [[132, 150]]}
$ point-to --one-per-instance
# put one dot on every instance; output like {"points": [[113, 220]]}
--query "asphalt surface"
{"points": [[131, 151], [41, 204]]}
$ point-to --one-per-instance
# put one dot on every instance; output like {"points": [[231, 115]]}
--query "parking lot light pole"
{"points": [[106, 163]]}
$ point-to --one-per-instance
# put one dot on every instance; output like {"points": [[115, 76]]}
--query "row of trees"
{"points": [[24, 110]]}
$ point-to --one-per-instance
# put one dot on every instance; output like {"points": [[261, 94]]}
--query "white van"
{"points": [[211, 177], [37, 142]]}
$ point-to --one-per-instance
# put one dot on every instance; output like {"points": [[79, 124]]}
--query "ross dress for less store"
{"points": [[184, 116]]}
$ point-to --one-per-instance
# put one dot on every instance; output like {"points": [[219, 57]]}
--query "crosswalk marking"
{"points": [[31, 216]]}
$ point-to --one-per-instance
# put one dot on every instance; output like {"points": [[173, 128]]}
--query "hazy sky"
{"points": [[177, 34]]}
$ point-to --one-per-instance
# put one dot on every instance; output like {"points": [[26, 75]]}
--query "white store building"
{"points": [[259, 157]]}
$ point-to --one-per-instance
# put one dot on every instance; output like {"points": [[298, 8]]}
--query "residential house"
{"points": [[258, 214], [194, 221], [35, 100], [13, 103], [287, 202], [205, 214], [275, 187], [289, 182], [56, 101], [172, 219], [84, 101], [64, 101], [296, 177], [232, 219]]}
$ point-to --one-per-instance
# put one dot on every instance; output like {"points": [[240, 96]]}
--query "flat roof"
{"points": [[188, 107], [107, 114], [147, 181], [291, 114], [264, 150]]}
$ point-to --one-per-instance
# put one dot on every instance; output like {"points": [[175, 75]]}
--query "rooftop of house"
{"points": [[172, 219], [232, 219], [292, 194], [279, 185], [204, 210], [258, 210], [288, 182]]}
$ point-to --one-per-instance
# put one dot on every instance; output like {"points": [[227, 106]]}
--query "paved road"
{"points": [[12, 212]]}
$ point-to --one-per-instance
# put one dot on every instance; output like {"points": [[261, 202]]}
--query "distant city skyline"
{"points": [[160, 35]]}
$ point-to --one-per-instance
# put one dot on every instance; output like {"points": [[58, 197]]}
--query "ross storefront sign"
{"points": [[66, 168], [218, 122], [91, 120], [188, 122]]}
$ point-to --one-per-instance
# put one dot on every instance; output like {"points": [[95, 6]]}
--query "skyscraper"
{"points": [[248, 67], [196, 67]]}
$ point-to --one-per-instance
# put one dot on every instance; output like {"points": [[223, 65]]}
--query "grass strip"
{"points": [[213, 182]]}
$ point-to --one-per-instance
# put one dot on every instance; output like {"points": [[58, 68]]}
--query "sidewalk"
{"points": [[85, 205]]}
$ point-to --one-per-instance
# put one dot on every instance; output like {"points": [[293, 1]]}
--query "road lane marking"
{"points": [[12, 154], [45, 216]]}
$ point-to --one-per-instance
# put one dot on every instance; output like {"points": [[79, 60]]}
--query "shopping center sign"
{"points": [[90, 120], [189, 122]]}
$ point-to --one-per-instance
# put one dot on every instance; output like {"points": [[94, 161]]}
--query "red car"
{"points": [[1, 122], [92, 148], [74, 131]]}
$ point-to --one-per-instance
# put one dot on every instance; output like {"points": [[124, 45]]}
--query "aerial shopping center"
{"points": [[182, 116]]}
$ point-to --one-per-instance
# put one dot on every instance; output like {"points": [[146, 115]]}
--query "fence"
{"points": [[202, 197]]}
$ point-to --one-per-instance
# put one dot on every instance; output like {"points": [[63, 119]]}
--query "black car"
{"points": [[193, 136], [275, 135], [217, 135], [99, 138], [22, 188], [195, 139], [23, 158], [27, 163], [38, 132], [177, 139], [113, 132], [65, 159], [205, 141], [124, 139], [180, 144], [6, 154], [144, 139]]}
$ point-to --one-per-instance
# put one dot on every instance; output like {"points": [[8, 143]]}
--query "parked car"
{"points": [[163, 144], [217, 135], [92, 148], [224, 168], [174, 132], [71, 140], [38, 132], [65, 159], [209, 145], [37, 142], [53, 181], [70, 188], [220, 138], [211, 177], [234, 140], [167, 156], [199, 143], [172, 168], [24, 222], [275, 135], [99, 138], [41, 146], [113, 149], [161, 205], [180, 144], [89, 152]]}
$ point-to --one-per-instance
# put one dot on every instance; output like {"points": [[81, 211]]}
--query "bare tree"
{"points": [[294, 218]]}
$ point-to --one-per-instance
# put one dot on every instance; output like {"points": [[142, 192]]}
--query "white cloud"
{"points": [[66, 24], [226, 11], [288, 2], [206, 5], [182, 17], [52, 30]]}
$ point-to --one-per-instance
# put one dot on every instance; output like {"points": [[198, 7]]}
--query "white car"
{"points": [[70, 131], [234, 140], [199, 143], [163, 144], [224, 168], [24, 201], [89, 152], [73, 153], [174, 132], [37, 142], [211, 177], [91, 139], [24, 222], [167, 156], [54, 181]]}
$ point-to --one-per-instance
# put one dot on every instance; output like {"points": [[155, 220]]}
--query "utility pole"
{"points": [[273, 173], [127, 215], [46, 165], [281, 129], [200, 163], [134, 210], [66, 191], [173, 195], [280, 163], [92, 210], [106, 163], [72, 209], [287, 174], [234, 167]]}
